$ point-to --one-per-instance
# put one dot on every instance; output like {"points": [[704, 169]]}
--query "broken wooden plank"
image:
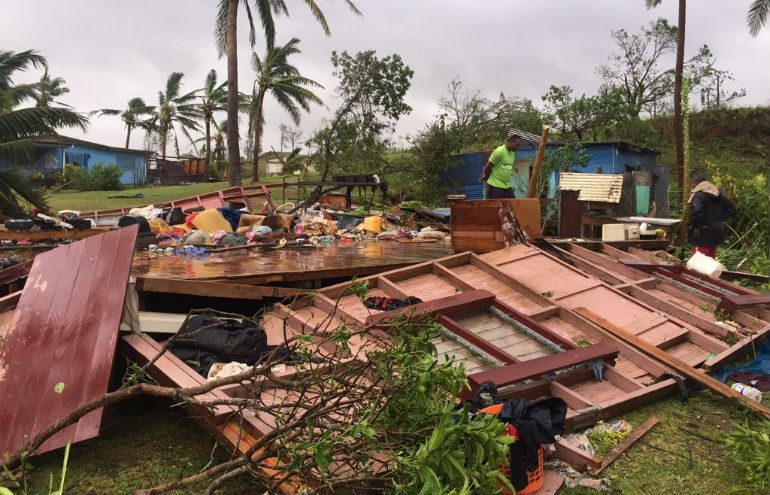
{"points": [[732, 303], [214, 289], [677, 365], [450, 305], [575, 457], [624, 445], [514, 373], [66, 321]]}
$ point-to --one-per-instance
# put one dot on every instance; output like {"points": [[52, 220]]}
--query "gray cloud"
{"points": [[112, 51]]}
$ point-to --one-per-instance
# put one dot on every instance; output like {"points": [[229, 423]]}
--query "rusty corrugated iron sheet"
{"points": [[604, 188], [59, 350]]}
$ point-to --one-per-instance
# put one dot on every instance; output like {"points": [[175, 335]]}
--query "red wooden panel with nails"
{"points": [[474, 299], [514, 373], [475, 340], [59, 351]]}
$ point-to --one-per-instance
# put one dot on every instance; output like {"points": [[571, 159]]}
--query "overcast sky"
{"points": [[110, 51]]}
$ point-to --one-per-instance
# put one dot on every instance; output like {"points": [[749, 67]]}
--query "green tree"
{"points": [[19, 124], [48, 89], [371, 90], [213, 99], [483, 120], [226, 35], [283, 81], [579, 115], [175, 110], [137, 114], [759, 11]]}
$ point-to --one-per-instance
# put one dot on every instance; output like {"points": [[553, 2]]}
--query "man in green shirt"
{"points": [[498, 171]]}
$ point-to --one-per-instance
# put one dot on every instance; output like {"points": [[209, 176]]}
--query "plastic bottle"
{"points": [[748, 391]]}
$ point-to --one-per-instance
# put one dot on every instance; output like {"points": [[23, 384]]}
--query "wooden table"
{"points": [[292, 264]]}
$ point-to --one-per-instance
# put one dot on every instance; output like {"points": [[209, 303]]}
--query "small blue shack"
{"points": [[609, 157], [52, 153]]}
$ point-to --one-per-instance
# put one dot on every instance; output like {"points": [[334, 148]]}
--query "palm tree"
{"points": [[226, 33], [678, 74], [213, 99], [48, 89], [275, 75], [758, 14], [175, 109], [19, 125], [137, 114]]}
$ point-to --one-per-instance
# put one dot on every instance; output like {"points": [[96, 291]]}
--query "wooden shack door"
{"points": [[570, 212]]}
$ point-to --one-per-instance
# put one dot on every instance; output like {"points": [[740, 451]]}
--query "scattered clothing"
{"points": [[223, 370], [233, 216], [197, 238], [261, 230], [757, 370], [158, 225], [231, 240], [383, 303], [211, 221], [758, 381], [207, 339], [248, 222]]}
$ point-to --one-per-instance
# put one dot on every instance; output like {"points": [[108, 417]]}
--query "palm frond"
{"points": [[13, 187], [30, 122], [759, 11], [173, 85], [288, 104], [11, 62], [220, 28], [265, 10], [651, 4], [18, 152], [319, 16], [250, 18]]}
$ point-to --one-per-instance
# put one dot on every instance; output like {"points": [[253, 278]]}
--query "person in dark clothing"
{"points": [[709, 210]]}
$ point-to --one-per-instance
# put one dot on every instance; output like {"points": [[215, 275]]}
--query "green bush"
{"points": [[98, 178]]}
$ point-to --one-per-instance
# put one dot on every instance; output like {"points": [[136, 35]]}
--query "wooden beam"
{"points": [[214, 289], [532, 188], [49, 235], [10, 301], [624, 445], [15, 272], [679, 312], [602, 261], [679, 366], [575, 457], [449, 305], [513, 373], [732, 303]]}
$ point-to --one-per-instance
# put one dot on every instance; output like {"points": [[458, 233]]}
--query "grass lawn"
{"points": [[143, 446], [99, 200]]}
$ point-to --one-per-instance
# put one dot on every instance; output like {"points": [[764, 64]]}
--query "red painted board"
{"points": [[59, 350], [450, 305]]}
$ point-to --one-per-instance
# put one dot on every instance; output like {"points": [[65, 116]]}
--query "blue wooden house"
{"points": [[52, 153], [610, 157]]}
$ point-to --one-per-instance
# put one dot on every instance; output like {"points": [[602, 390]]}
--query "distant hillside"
{"points": [[735, 137]]}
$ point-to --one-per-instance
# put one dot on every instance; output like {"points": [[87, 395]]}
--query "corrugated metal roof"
{"points": [[605, 188]]}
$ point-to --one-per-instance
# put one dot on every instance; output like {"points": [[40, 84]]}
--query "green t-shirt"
{"points": [[502, 170]]}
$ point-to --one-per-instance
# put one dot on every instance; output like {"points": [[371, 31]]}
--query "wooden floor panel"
{"points": [[427, 287], [548, 276], [481, 280], [598, 392], [504, 335], [689, 353], [630, 370], [567, 331]]}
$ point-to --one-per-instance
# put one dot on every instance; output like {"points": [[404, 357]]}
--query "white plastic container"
{"points": [[748, 391], [701, 263], [632, 232]]}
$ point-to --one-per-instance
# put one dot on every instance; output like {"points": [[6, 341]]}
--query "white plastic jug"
{"points": [[701, 263], [748, 391]]}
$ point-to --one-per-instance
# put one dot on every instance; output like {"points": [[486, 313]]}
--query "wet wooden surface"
{"points": [[58, 352], [290, 264]]}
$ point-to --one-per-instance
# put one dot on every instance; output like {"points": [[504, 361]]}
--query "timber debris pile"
{"points": [[298, 336]]}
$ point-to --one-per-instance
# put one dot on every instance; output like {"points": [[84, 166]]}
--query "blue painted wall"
{"points": [[613, 157], [52, 158]]}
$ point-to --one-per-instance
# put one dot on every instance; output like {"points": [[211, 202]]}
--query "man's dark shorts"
{"points": [[499, 193]]}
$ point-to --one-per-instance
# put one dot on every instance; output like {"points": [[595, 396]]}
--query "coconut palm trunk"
{"points": [[128, 135], [257, 136], [678, 74], [207, 166], [233, 148]]}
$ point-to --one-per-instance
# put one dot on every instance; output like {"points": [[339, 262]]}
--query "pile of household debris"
{"points": [[596, 330]]}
